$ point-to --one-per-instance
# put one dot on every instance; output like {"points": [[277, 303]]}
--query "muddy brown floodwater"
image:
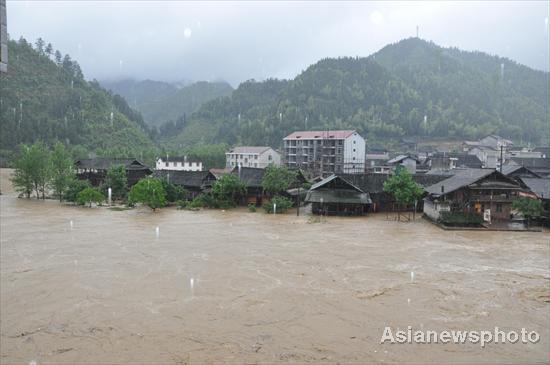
{"points": [[235, 287]]}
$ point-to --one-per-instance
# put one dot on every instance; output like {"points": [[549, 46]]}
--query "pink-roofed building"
{"points": [[323, 153]]}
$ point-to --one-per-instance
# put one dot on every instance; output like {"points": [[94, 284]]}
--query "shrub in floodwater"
{"points": [[182, 204], [75, 187], [89, 196], [203, 200], [283, 204], [251, 207], [461, 219]]}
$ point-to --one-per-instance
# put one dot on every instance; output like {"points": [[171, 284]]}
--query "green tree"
{"points": [[117, 180], [148, 191], [402, 187], [278, 179], [40, 45], [40, 162], [62, 170], [22, 177], [227, 190], [174, 192], [49, 50], [90, 195], [530, 208], [282, 203], [58, 58], [75, 187]]}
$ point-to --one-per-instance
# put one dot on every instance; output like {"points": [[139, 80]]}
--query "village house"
{"points": [[483, 192], [253, 177], [489, 156], [447, 161], [336, 196], [376, 162], [540, 166], [323, 153], [178, 163], [95, 169], [252, 156], [195, 182], [373, 184], [541, 188], [407, 161]]}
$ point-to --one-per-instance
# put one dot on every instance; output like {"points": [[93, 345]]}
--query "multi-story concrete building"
{"points": [[252, 156], [323, 153], [3, 37], [174, 163]]}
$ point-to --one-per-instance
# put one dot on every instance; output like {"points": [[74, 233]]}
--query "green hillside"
{"points": [[45, 97], [162, 102], [411, 88]]}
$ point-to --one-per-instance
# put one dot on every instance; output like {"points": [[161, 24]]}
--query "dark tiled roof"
{"points": [[539, 186], [374, 183], [532, 163], [462, 159], [466, 178], [251, 176], [192, 179], [100, 163], [517, 169]]}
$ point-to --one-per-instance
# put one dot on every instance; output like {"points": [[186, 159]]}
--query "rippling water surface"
{"points": [[234, 287]]}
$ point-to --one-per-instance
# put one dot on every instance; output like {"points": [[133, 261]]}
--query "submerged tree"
{"points": [[62, 170], [402, 187], [117, 180], [22, 177], [278, 179], [530, 208], [148, 191], [227, 190], [40, 160], [90, 195]]}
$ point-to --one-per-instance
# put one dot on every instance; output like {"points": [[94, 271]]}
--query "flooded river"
{"points": [[91, 286]]}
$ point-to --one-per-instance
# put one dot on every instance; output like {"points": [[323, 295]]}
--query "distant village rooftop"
{"points": [[339, 134]]}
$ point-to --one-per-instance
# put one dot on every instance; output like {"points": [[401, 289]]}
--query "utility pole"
{"points": [[501, 159]]}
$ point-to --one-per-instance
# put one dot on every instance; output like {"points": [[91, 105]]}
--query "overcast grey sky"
{"points": [[236, 41]]}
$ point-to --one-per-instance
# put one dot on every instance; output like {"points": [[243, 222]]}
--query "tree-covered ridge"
{"points": [[44, 96], [468, 94], [162, 102], [412, 88]]}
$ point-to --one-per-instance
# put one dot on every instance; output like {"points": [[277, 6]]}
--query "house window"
{"points": [[166, 163], [270, 158], [255, 157], [499, 208], [353, 142], [354, 150]]}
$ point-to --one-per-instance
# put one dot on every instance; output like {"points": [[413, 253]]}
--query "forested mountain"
{"points": [[411, 88], [162, 102], [44, 96]]}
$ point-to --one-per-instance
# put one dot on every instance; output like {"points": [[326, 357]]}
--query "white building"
{"points": [[252, 156], [324, 153], [178, 163], [407, 161]]}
